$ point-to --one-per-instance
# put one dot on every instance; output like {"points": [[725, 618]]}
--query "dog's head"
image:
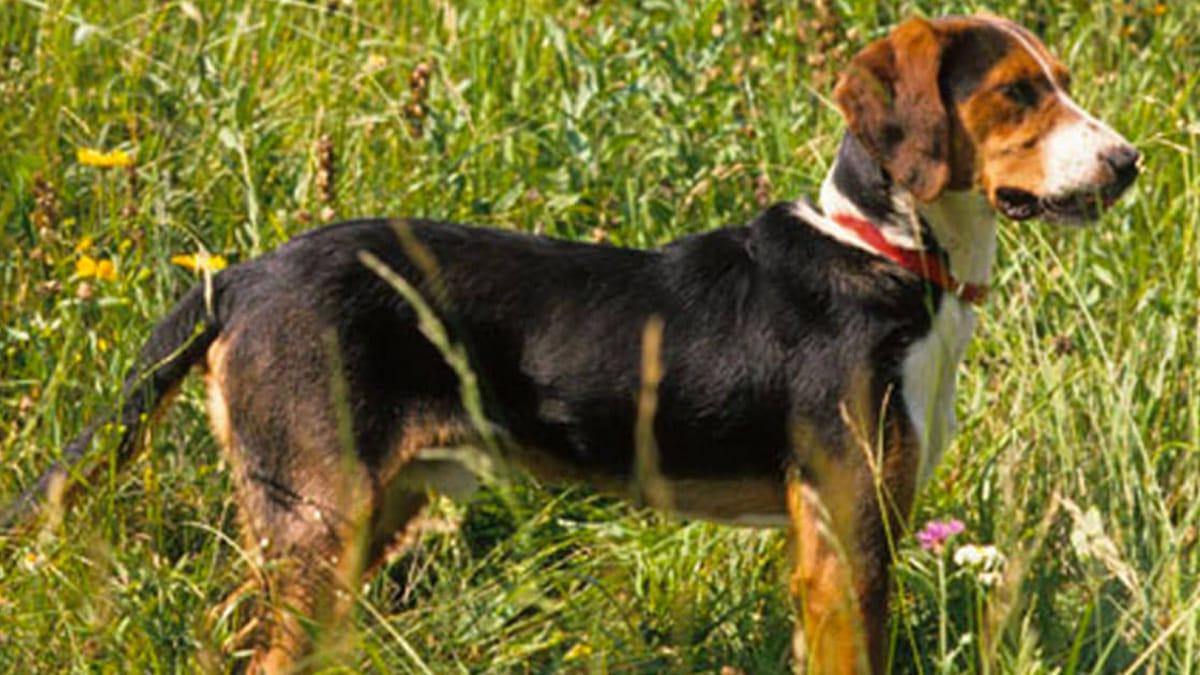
{"points": [[980, 103]]}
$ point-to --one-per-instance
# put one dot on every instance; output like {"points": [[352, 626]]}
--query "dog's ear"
{"points": [[890, 98]]}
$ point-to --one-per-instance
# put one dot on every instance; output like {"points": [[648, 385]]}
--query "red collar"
{"points": [[928, 267]]}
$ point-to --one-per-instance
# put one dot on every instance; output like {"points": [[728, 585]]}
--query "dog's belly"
{"points": [[751, 501]]}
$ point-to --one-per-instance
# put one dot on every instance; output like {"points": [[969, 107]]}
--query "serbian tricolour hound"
{"points": [[797, 370]]}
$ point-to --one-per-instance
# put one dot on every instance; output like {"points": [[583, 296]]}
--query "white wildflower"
{"points": [[968, 555], [990, 579], [985, 557], [986, 561], [32, 560]]}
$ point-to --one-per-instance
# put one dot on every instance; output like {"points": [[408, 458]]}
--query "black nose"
{"points": [[1123, 160]]}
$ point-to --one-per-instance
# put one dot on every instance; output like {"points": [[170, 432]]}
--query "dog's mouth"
{"points": [[1017, 204], [1080, 206]]}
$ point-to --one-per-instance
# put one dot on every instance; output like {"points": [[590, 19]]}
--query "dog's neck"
{"points": [[960, 224]]}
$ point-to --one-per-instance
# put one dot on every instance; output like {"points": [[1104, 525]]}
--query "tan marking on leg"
{"points": [[839, 545], [218, 408], [262, 628], [219, 419], [308, 590], [288, 600], [830, 636], [300, 557]]}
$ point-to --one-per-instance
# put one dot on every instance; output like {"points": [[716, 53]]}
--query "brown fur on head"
{"points": [[890, 99], [980, 103]]}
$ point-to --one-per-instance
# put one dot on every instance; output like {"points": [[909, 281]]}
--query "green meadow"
{"points": [[141, 142]]}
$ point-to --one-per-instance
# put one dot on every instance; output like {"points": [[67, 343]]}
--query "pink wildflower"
{"points": [[936, 532]]}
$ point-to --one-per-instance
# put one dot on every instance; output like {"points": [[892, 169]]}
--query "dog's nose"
{"points": [[1123, 160]]}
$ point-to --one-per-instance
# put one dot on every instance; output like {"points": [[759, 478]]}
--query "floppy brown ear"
{"points": [[889, 96]]}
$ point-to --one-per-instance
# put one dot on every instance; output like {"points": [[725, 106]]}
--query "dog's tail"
{"points": [[176, 344]]}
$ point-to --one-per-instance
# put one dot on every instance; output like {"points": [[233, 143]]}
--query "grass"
{"points": [[1078, 455]]}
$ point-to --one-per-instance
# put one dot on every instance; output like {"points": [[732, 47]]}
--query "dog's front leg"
{"points": [[831, 635], [846, 513]]}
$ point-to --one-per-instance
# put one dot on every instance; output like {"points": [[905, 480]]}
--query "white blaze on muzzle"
{"points": [[1073, 156]]}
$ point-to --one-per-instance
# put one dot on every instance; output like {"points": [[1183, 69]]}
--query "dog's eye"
{"points": [[1021, 92]]}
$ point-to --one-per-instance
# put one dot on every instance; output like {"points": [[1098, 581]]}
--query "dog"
{"points": [[798, 371]]}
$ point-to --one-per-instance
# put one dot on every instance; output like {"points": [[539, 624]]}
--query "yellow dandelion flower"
{"points": [[106, 270], [1160, 9], [104, 160], [200, 262], [84, 244], [85, 267], [580, 650]]}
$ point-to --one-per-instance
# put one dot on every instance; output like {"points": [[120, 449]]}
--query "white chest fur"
{"points": [[964, 226], [929, 370]]}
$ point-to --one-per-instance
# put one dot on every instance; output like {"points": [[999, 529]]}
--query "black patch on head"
{"points": [[967, 60]]}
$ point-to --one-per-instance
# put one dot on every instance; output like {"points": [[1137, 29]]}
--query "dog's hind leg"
{"points": [[422, 460], [311, 581], [305, 503], [312, 538], [393, 522]]}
